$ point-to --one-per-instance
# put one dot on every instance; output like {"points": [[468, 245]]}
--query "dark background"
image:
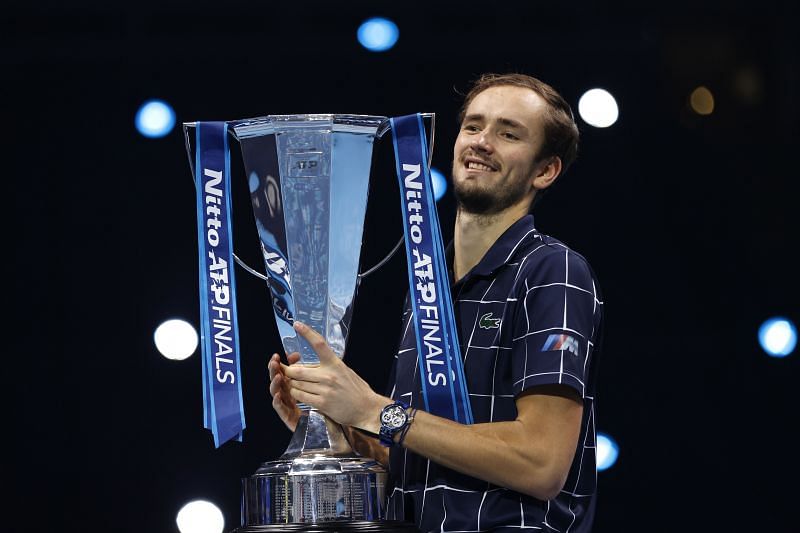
{"points": [[690, 222]]}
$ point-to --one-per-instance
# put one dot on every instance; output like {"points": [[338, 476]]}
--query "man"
{"points": [[528, 311]]}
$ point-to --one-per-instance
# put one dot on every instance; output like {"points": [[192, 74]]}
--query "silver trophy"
{"points": [[308, 177]]}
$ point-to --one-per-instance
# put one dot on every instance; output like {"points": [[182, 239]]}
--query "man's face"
{"points": [[495, 152]]}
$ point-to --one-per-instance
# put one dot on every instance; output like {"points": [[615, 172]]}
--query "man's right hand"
{"points": [[279, 386]]}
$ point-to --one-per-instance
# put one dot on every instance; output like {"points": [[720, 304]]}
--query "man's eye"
{"points": [[509, 135], [471, 127]]}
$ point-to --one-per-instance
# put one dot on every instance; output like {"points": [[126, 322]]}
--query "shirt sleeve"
{"points": [[555, 323]]}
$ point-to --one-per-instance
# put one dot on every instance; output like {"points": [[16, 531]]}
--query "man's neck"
{"points": [[475, 234]]}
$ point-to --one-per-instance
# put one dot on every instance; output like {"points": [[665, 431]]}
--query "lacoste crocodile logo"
{"points": [[487, 322]]}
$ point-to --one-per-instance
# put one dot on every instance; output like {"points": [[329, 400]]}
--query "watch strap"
{"points": [[409, 420]]}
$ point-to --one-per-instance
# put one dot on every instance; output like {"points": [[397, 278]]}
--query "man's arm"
{"points": [[531, 454], [367, 445]]}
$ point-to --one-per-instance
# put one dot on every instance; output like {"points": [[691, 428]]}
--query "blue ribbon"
{"points": [[444, 386], [222, 385]]}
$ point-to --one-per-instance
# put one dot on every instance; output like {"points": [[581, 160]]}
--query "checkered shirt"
{"points": [[528, 314]]}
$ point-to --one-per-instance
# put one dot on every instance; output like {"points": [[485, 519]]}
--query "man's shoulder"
{"points": [[542, 256]]}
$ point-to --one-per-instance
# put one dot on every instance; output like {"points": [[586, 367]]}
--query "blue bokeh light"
{"points": [[439, 184], [778, 336], [607, 452], [378, 34], [155, 118]]}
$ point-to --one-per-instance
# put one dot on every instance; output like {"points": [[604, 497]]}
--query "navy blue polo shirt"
{"points": [[528, 314]]}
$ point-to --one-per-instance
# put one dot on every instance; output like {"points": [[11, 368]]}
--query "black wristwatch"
{"points": [[393, 419]]}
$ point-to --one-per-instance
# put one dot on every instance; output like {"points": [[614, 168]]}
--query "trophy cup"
{"points": [[308, 178]]}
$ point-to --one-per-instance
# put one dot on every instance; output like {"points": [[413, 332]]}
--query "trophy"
{"points": [[308, 177]]}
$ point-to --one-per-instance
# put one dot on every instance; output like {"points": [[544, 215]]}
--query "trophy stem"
{"points": [[317, 435]]}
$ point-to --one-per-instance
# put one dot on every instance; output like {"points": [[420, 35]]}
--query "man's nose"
{"points": [[481, 142]]}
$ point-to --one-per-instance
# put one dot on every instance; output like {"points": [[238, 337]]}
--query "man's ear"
{"points": [[546, 172]]}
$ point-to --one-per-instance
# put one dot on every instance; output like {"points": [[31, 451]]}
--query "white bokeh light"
{"points": [[607, 451], [598, 108], [176, 339], [155, 118], [778, 337], [200, 516]]}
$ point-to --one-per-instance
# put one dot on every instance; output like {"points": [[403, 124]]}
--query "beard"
{"points": [[487, 201]]}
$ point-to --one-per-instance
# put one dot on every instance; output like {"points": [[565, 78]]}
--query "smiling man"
{"points": [[528, 312]]}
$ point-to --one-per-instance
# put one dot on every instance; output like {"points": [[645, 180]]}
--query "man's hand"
{"points": [[279, 387], [333, 388]]}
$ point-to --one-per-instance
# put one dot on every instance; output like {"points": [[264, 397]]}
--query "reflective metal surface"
{"points": [[355, 493], [309, 177], [318, 479], [309, 200]]}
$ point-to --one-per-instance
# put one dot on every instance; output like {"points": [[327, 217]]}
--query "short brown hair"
{"points": [[560, 131]]}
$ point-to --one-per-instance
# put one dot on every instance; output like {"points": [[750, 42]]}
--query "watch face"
{"points": [[394, 416]]}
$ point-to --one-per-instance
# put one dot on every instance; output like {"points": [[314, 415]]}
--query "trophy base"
{"points": [[314, 489], [318, 484], [384, 526]]}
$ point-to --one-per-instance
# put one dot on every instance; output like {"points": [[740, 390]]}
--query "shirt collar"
{"points": [[499, 253]]}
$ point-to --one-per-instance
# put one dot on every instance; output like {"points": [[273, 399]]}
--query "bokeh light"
{"points": [[176, 339], [378, 34], [200, 516], [778, 336], [155, 118], [702, 101], [607, 451], [439, 184], [598, 108]]}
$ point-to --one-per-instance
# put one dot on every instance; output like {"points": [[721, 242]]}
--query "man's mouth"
{"points": [[475, 164]]}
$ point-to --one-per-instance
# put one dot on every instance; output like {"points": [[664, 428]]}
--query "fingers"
{"points": [[279, 405], [280, 389], [283, 403], [276, 385], [309, 387], [276, 368], [300, 372], [278, 381], [287, 410], [316, 341], [273, 365], [305, 397]]}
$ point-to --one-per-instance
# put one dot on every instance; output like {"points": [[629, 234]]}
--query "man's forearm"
{"points": [[366, 445], [530, 455], [484, 451]]}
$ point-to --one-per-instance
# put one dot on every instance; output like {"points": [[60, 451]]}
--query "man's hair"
{"points": [[560, 131]]}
